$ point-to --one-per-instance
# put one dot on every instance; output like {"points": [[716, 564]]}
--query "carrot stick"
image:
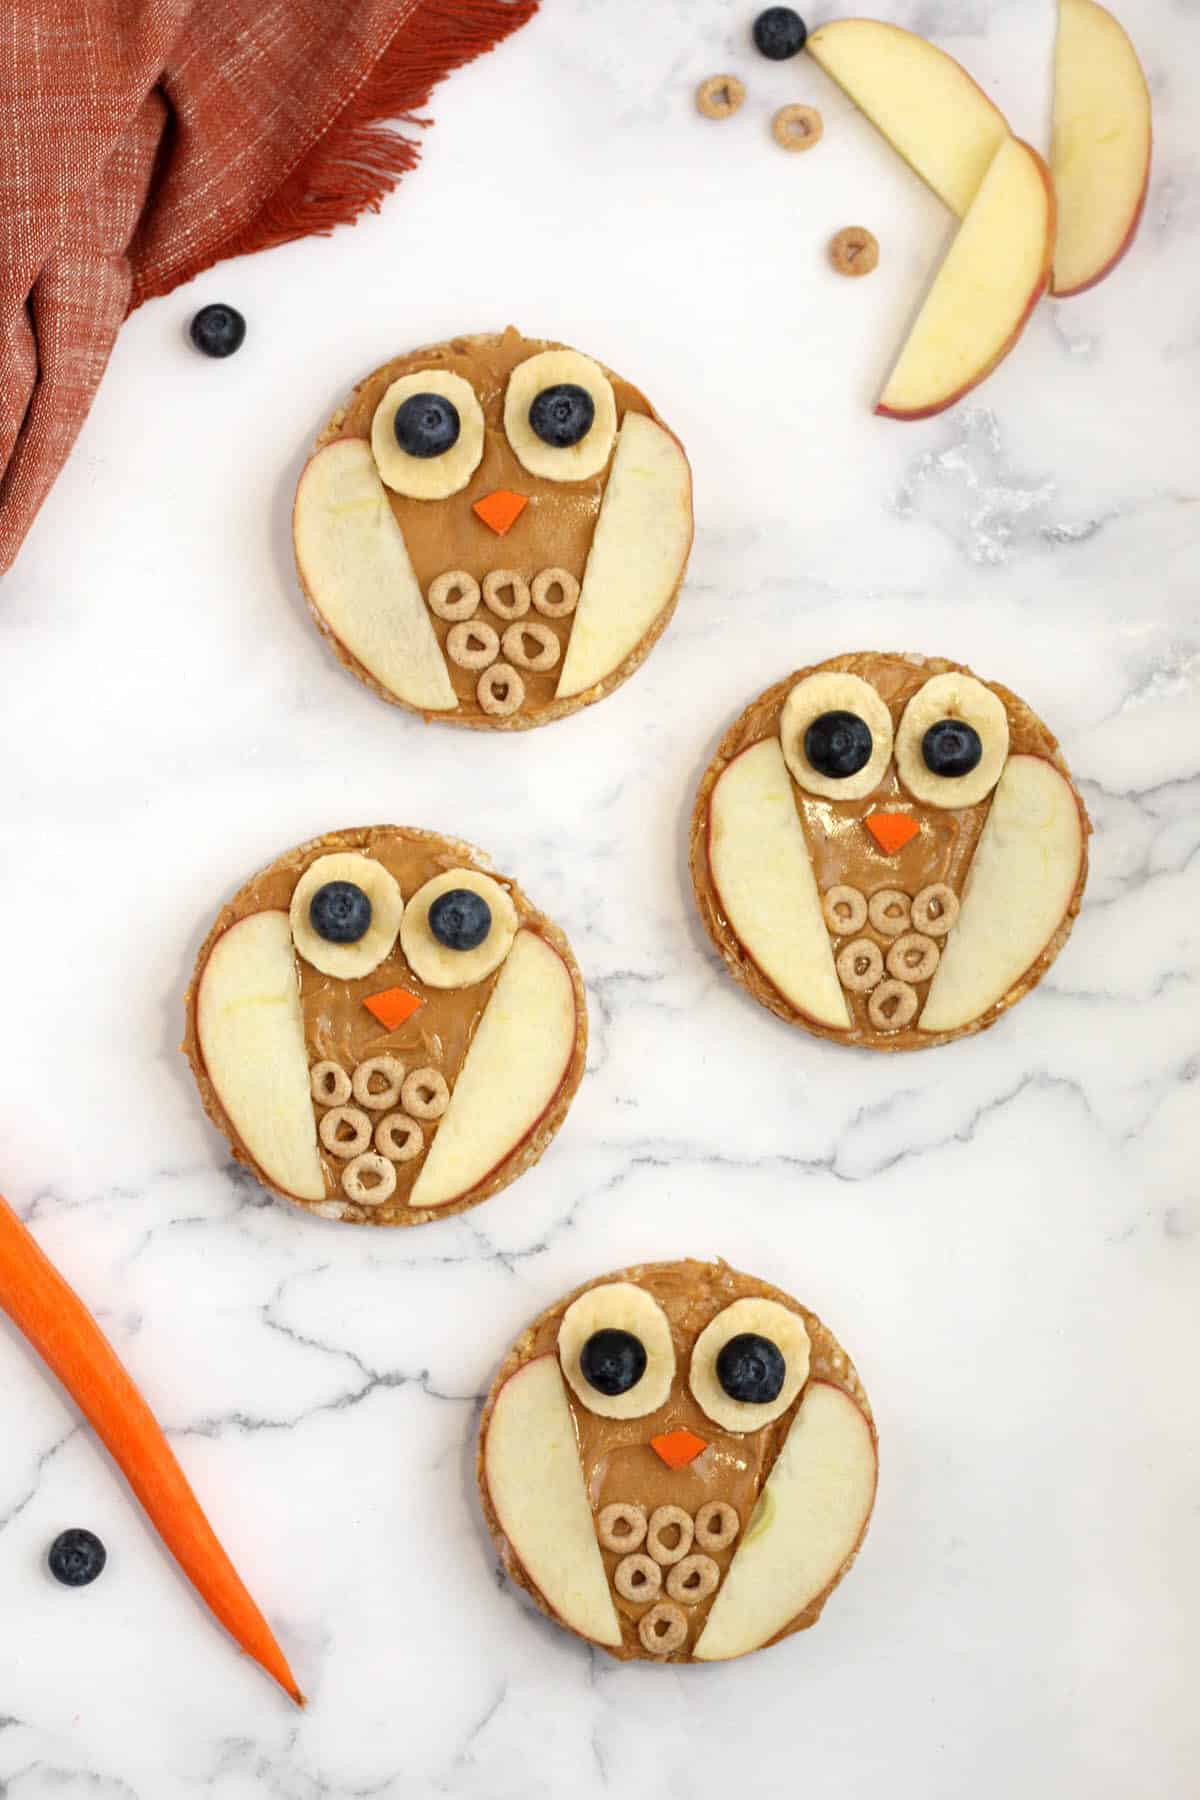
{"points": [[71, 1344]]}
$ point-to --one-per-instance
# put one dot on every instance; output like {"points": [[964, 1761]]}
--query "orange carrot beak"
{"points": [[678, 1448], [500, 509], [891, 831]]}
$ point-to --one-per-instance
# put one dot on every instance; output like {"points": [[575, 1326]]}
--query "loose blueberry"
{"points": [[562, 415], [460, 919], [951, 747], [779, 33], [838, 744], [751, 1368], [613, 1361], [76, 1557], [218, 330], [426, 425], [340, 912]]}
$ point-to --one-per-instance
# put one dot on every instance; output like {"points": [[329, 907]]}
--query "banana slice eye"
{"points": [[952, 743], [346, 910], [560, 415], [749, 1364], [427, 435], [458, 928], [616, 1351], [836, 735]]}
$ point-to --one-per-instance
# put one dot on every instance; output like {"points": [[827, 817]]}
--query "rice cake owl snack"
{"points": [[678, 1463], [385, 1029], [493, 531], [888, 851]]}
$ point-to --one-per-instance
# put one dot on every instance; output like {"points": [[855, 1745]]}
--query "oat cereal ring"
{"points": [[860, 965], [425, 1094], [354, 1184], [663, 1629], [890, 912], [663, 1518], [845, 910], [568, 593], [621, 1526], [399, 1138], [637, 1578], [854, 251], [935, 910], [454, 595], [797, 127], [720, 96], [717, 1524], [494, 586], [473, 645], [693, 1580], [514, 646], [331, 1125], [330, 1084], [500, 690], [378, 1099], [892, 1006], [913, 957]]}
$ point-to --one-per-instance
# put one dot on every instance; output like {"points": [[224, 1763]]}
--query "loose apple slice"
{"points": [[1018, 889], [516, 1064], [356, 570], [535, 1482], [810, 1517], [760, 866], [251, 1035], [1102, 137], [638, 554], [990, 282], [925, 104]]}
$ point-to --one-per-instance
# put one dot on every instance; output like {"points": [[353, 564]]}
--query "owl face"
{"points": [[386, 1031], [678, 1462], [494, 530], [888, 850]]}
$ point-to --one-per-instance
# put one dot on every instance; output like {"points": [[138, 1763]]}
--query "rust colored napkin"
{"points": [[143, 140]]}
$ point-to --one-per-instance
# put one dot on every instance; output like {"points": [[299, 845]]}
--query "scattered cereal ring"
{"points": [[493, 589], [500, 690], [693, 1580], [637, 1578], [621, 1526], [720, 96], [797, 127], [356, 1187], [892, 1006], [717, 1524], [913, 957], [425, 1094], [666, 1518], [513, 644], [860, 965], [663, 1629], [845, 910], [568, 593], [454, 595], [391, 1070], [330, 1084], [935, 910], [330, 1130], [473, 645], [890, 912], [854, 251], [399, 1138]]}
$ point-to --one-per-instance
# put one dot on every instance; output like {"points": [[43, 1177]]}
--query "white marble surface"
{"points": [[1005, 1234]]}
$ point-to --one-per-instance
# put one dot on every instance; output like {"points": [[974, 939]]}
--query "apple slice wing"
{"points": [[993, 276], [810, 1518], [761, 869], [1101, 144], [921, 100], [251, 1036], [356, 569], [638, 554], [535, 1483], [1018, 891], [515, 1065]]}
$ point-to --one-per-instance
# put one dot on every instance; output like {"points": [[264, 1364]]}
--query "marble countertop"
{"points": [[1005, 1234]]}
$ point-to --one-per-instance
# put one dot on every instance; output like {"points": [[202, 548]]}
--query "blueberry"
{"points": [[562, 415], [76, 1557], [613, 1361], [838, 744], [460, 919], [218, 330], [751, 1368], [426, 425], [340, 912], [779, 33], [951, 747]]}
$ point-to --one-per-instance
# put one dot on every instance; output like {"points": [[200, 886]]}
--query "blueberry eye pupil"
{"points": [[613, 1361], [340, 912], [751, 1368], [460, 919], [951, 747], [426, 425], [838, 744], [562, 415]]}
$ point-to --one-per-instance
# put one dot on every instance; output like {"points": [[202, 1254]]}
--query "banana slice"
{"points": [[387, 908], [952, 697], [432, 961], [428, 477], [553, 368], [764, 1318], [831, 691], [619, 1306]]}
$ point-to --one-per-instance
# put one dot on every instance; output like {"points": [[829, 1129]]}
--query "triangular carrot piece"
{"points": [[501, 510], [678, 1448], [891, 831], [392, 1006]]}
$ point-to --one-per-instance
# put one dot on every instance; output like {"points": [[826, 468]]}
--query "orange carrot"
{"points": [[679, 1447], [71, 1344], [891, 831], [500, 510], [392, 1006]]}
